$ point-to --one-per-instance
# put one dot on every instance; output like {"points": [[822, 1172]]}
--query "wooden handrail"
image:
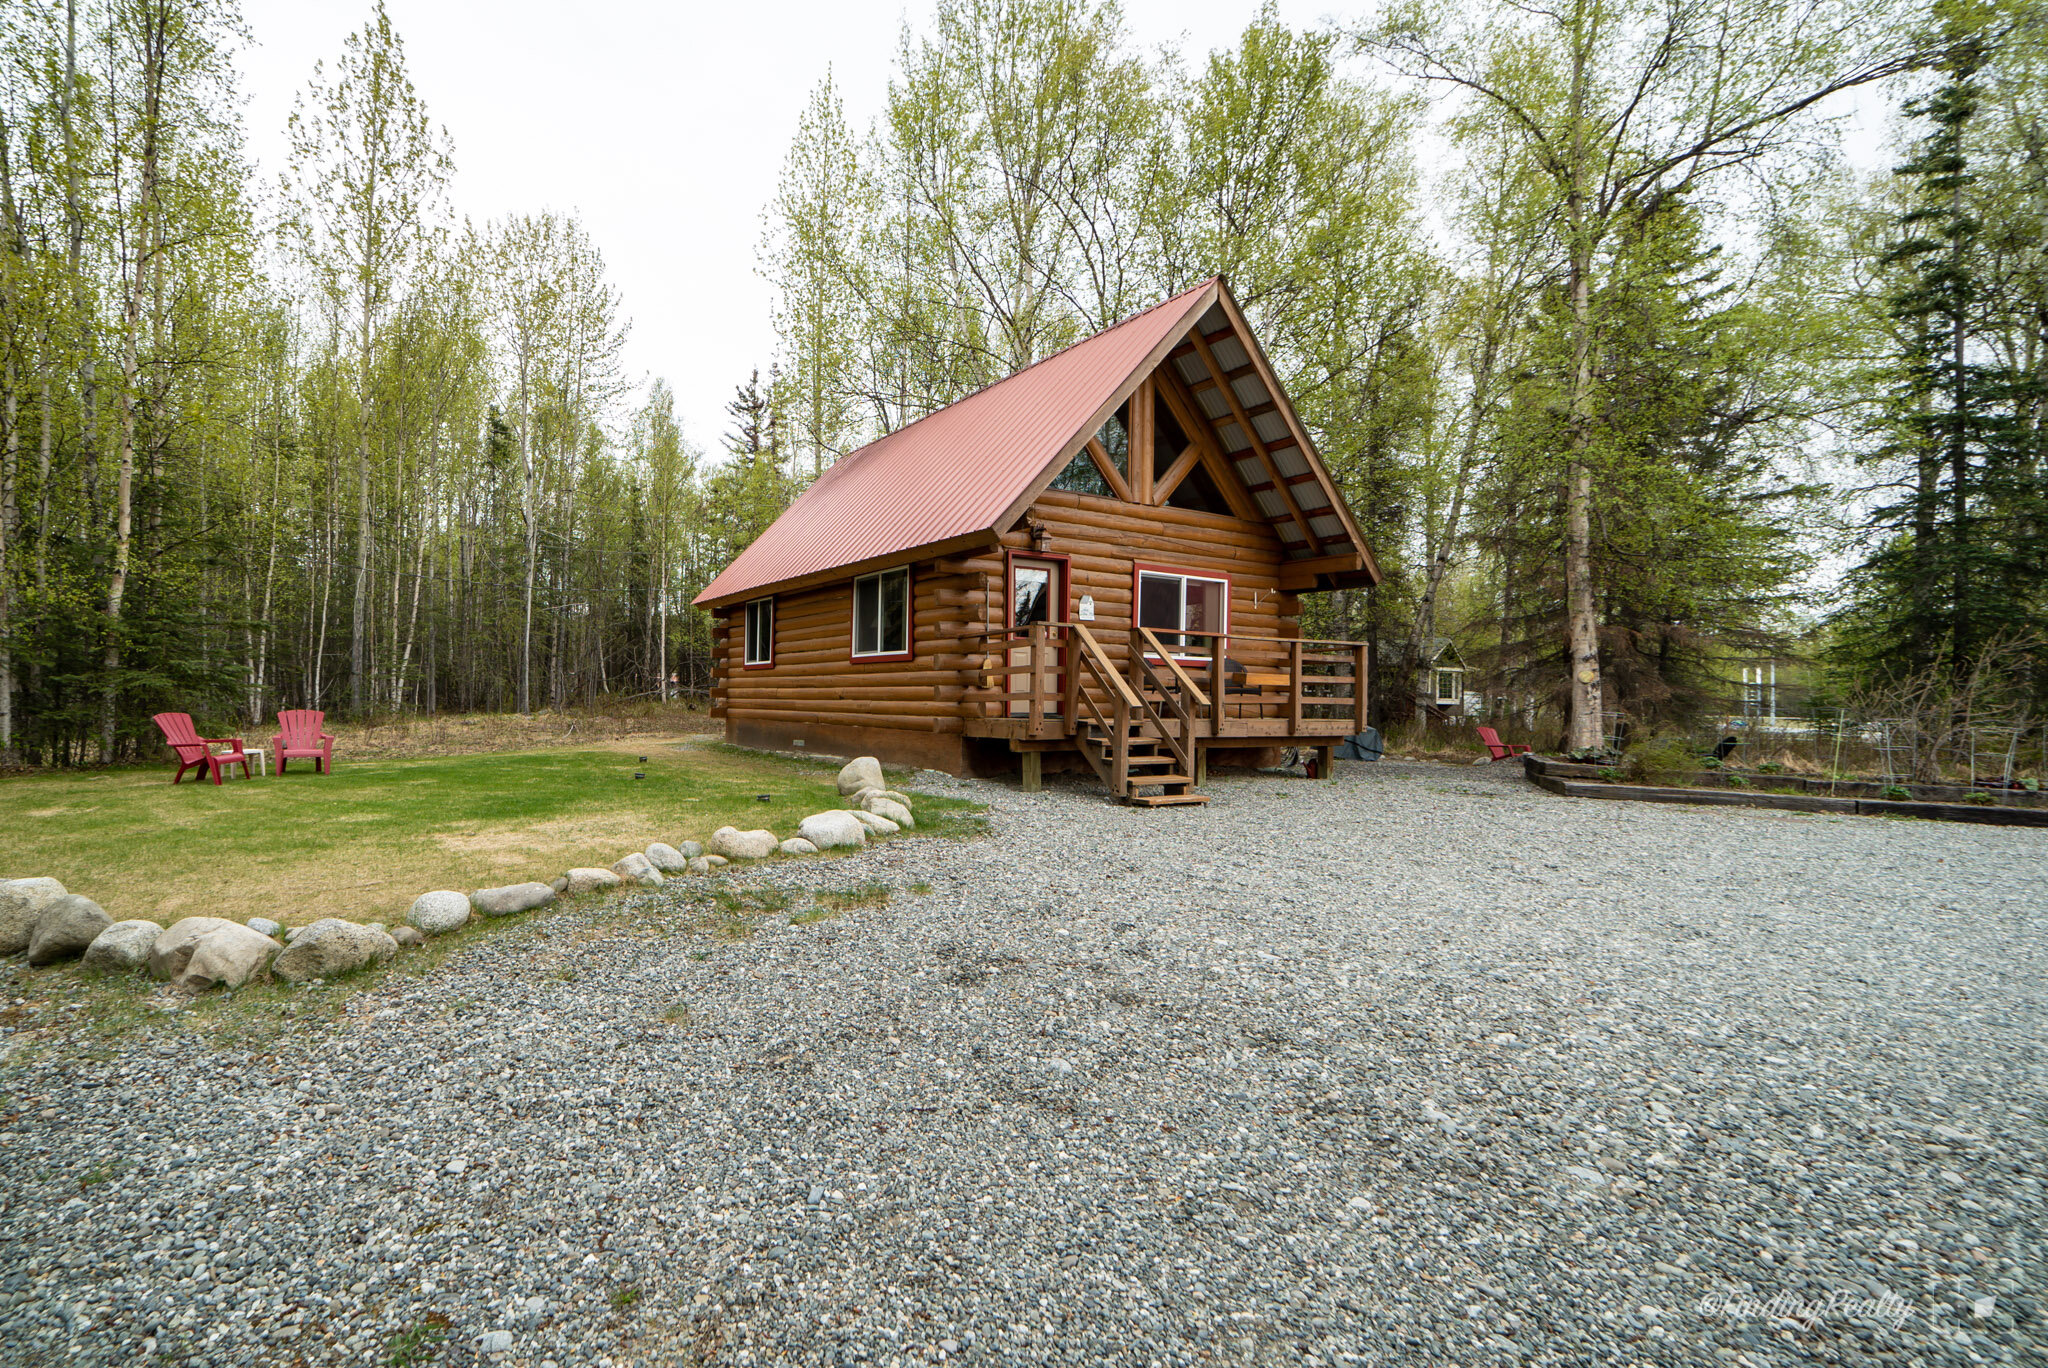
{"points": [[1200, 699], [1098, 660]]}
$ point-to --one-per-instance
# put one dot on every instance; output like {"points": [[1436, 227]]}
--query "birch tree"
{"points": [[365, 190], [1623, 105]]}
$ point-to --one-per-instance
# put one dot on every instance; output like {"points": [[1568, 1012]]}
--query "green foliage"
{"points": [[1898, 793], [1956, 438], [1660, 760]]}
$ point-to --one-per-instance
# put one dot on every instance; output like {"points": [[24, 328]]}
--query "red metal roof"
{"points": [[955, 472]]}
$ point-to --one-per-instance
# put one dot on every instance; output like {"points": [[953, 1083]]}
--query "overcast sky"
{"points": [[660, 125]]}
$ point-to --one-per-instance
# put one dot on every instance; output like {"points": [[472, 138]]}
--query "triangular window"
{"points": [[1116, 440], [1081, 477], [1198, 492]]}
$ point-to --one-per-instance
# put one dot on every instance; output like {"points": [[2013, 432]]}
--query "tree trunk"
{"points": [[1583, 624]]}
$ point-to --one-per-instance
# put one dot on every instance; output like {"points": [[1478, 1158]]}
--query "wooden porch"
{"points": [[1146, 728]]}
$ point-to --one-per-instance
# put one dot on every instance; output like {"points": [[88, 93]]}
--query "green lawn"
{"points": [[363, 842]]}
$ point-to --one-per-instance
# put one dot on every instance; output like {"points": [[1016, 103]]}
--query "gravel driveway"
{"points": [[1417, 1066]]}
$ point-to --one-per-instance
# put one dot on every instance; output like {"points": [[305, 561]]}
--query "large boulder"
{"points": [[637, 869], [876, 825], [742, 845], [173, 949], [797, 845], [866, 772], [332, 946], [589, 880], [860, 799], [195, 953], [122, 947], [503, 902], [668, 859], [891, 809], [68, 925], [438, 913], [829, 830], [21, 903]]}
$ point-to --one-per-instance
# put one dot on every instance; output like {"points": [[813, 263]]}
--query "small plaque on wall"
{"points": [[1086, 612]]}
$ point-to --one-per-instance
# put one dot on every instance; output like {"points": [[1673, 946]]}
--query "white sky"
{"points": [[662, 126]]}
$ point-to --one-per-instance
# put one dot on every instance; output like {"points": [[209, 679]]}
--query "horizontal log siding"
{"points": [[816, 693], [814, 680], [1107, 539]]}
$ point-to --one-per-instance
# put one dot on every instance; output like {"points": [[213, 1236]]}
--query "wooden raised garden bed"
{"points": [[2010, 807]]}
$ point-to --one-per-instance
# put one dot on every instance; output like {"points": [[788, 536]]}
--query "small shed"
{"points": [[1098, 559], [1440, 679]]}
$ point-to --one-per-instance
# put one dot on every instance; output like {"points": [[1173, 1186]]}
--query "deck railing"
{"points": [[1178, 682]]}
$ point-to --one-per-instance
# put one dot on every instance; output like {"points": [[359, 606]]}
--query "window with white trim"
{"points": [[881, 613], [1171, 604], [1449, 685], [761, 632]]}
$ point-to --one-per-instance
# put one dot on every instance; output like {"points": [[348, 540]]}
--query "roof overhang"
{"points": [[930, 551]]}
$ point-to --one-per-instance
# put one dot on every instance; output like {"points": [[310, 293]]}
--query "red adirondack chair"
{"points": [[195, 751], [1499, 749], [299, 734]]}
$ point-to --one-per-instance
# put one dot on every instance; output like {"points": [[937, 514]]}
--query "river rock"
{"points": [[503, 902], [668, 859], [865, 772], [68, 925], [264, 926], [879, 826], [742, 845], [589, 880], [830, 830], [708, 864], [891, 809], [860, 799], [797, 845], [122, 947], [21, 902], [690, 850], [331, 946], [408, 936], [637, 869], [438, 913]]}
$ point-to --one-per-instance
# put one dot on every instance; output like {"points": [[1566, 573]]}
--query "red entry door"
{"points": [[1037, 591]]}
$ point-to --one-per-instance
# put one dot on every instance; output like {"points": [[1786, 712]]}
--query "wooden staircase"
{"points": [[1148, 762], [1143, 755]]}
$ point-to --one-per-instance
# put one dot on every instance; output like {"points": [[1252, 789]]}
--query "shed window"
{"points": [[1171, 604], [1448, 685], [761, 632], [881, 614]]}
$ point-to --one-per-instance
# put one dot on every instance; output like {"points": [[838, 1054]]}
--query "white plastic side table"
{"points": [[261, 757]]}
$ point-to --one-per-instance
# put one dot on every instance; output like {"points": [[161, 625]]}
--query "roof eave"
{"points": [[929, 551]]}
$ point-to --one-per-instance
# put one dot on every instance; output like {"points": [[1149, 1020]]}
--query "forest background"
{"points": [[1634, 384]]}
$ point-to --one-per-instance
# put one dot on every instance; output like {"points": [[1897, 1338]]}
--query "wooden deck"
{"points": [[1150, 724]]}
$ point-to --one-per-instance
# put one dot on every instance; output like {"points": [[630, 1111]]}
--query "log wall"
{"points": [[816, 697]]}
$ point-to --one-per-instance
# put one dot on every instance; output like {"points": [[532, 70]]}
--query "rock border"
{"points": [[225, 953]]}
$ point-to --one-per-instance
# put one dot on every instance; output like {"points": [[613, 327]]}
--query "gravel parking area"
{"points": [[1420, 1066]]}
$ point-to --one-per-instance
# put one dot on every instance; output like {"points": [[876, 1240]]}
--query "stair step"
{"points": [[1167, 799]]}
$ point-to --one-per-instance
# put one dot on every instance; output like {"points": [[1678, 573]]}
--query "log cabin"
{"points": [[1096, 561]]}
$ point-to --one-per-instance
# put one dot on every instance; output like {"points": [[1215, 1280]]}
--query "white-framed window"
{"points": [[881, 614], [1171, 603], [761, 632], [1449, 685]]}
